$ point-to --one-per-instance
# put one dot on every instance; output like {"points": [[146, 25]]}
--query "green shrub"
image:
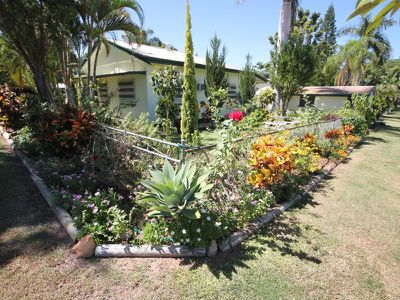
{"points": [[192, 232], [255, 119], [356, 120], [24, 139]]}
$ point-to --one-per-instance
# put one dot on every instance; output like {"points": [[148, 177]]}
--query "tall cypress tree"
{"points": [[216, 75], [190, 109], [329, 32], [247, 84]]}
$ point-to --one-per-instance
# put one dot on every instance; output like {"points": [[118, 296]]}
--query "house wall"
{"points": [[140, 86], [118, 61], [200, 78], [321, 102]]}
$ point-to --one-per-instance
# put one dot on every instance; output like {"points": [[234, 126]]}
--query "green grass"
{"points": [[341, 243]]}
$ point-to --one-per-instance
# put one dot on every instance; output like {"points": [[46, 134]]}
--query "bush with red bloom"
{"points": [[236, 116]]}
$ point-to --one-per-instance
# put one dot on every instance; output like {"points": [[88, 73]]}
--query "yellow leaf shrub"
{"points": [[271, 159]]}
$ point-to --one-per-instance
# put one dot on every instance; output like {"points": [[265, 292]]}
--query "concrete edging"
{"points": [[62, 215], [240, 236]]}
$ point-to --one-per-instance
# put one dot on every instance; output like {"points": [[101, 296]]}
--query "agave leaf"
{"points": [[157, 213], [157, 176], [191, 214], [161, 189], [168, 170], [161, 208], [173, 200], [191, 172], [181, 175]]}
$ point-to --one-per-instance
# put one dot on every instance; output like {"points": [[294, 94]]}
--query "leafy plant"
{"points": [[98, 215], [171, 191], [167, 82], [270, 159], [11, 108]]}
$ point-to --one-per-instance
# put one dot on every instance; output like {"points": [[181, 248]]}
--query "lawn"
{"points": [[343, 242]]}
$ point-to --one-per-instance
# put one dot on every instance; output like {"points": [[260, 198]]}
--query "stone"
{"points": [[212, 249], [85, 247]]}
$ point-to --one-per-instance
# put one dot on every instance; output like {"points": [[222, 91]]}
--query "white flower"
{"points": [[97, 194], [208, 218], [172, 233], [217, 224], [198, 230], [199, 239], [187, 240], [203, 211], [184, 231]]}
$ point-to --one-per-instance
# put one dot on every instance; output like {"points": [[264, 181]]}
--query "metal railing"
{"points": [[165, 149], [144, 143]]}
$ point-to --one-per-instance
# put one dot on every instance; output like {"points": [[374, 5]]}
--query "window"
{"points": [[103, 90], [306, 100], [232, 92], [302, 102], [127, 93]]}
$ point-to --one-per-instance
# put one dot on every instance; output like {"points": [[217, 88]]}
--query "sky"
{"points": [[243, 28]]}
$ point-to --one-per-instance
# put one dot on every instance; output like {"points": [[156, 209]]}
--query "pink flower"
{"points": [[236, 116]]}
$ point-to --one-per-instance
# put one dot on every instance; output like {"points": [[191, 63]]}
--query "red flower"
{"points": [[95, 157], [236, 116]]}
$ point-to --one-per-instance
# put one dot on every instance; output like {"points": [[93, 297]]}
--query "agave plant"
{"points": [[172, 190]]}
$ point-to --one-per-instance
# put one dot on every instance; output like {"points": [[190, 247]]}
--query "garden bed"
{"points": [[176, 251]]}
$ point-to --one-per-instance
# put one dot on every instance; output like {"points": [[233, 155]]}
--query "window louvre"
{"points": [[232, 91], [103, 90], [127, 93]]}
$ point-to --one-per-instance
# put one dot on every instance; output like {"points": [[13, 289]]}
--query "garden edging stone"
{"points": [[240, 236]]}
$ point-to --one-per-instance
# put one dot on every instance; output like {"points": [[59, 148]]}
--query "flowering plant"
{"points": [[236, 116], [98, 215]]}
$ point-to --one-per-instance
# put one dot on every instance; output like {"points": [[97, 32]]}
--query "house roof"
{"points": [[338, 90], [162, 55]]}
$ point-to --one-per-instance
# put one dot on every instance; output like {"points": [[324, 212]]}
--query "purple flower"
{"points": [[254, 203], [76, 197]]}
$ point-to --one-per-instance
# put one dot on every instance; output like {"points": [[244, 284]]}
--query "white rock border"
{"points": [[173, 251]]}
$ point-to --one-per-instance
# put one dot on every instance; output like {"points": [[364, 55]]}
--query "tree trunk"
{"points": [[42, 84], [89, 67], [95, 62], [285, 22]]}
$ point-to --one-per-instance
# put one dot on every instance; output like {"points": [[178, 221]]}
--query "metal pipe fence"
{"points": [[178, 152]]}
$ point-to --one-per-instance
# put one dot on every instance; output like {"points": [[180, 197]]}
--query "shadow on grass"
{"points": [[28, 226]]}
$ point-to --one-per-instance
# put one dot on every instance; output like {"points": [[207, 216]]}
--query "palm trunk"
{"points": [[89, 67], [95, 62], [285, 22]]}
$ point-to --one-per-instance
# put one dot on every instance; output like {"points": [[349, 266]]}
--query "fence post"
{"points": [[183, 149]]}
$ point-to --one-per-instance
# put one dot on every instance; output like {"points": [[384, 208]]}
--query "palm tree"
{"points": [[375, 39], [364, 7], [100, 17]]}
